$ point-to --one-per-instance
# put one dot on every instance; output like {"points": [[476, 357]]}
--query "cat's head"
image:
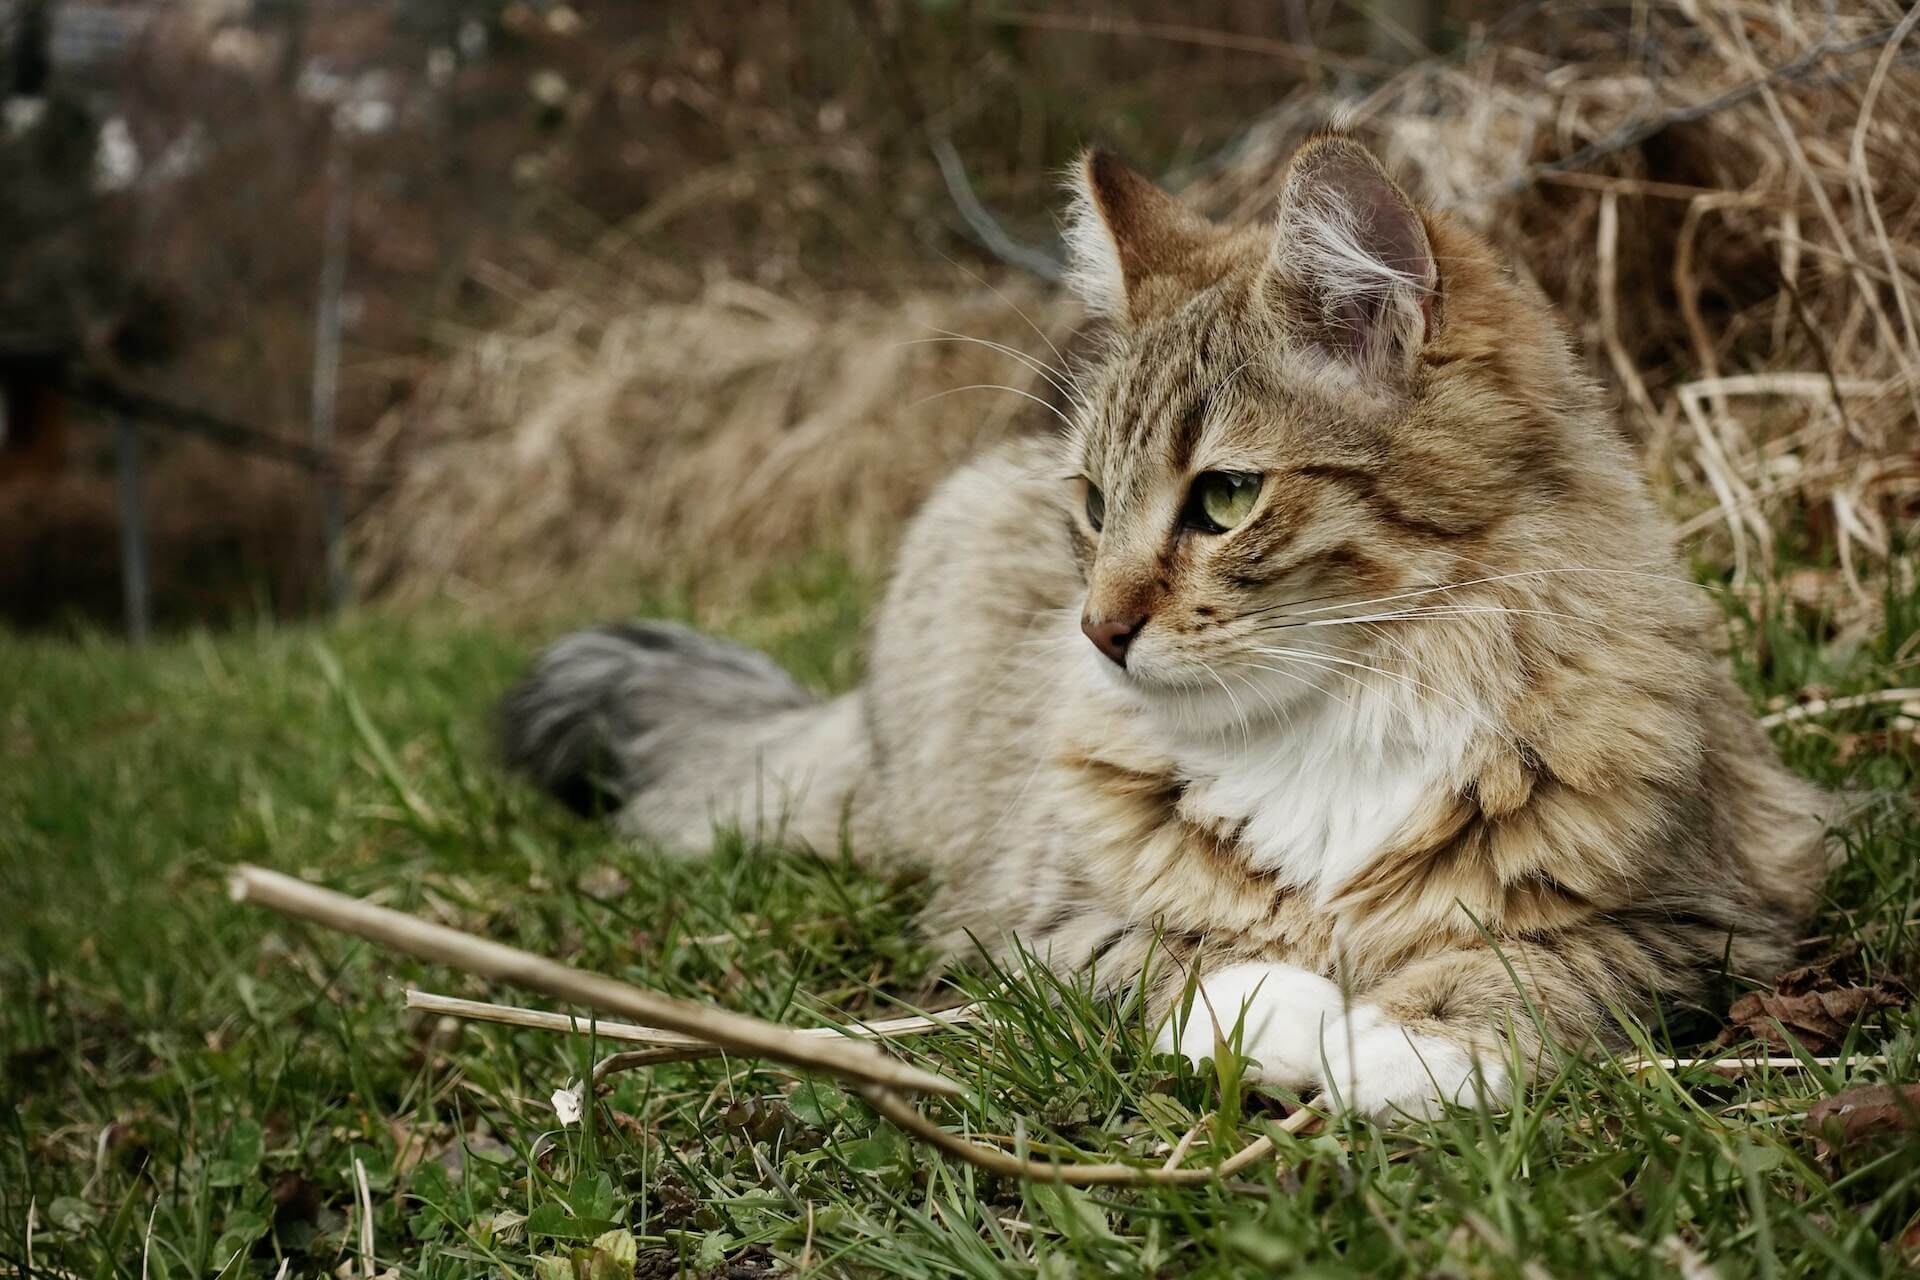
{"points": [[1302, 421]]}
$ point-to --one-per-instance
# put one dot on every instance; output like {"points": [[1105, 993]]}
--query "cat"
{"points": [[1333, 676]]}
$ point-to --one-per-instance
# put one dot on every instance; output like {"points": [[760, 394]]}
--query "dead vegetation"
{"points": [[613, 432], [1723, 198]]}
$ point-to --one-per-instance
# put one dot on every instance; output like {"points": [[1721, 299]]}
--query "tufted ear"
{"points": [[1131, 247], [1351, 264]]}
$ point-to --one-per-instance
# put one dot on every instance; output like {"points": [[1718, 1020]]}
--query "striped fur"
{"points": [[1427, 767]]}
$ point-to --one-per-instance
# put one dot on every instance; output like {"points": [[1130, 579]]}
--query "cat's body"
{"points": [[1423, 738]]}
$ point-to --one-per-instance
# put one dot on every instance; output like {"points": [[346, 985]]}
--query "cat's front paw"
{"points": [[1276, 1011], [1379, 1068], [1300, 1034]]}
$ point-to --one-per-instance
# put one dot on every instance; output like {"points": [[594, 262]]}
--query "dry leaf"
{"points": [[1838, 968], [1817, 1021], [1816, 1004], [1859, 1115]]}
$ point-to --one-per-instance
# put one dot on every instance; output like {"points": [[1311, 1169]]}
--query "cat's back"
{"points": [[978, 617]]}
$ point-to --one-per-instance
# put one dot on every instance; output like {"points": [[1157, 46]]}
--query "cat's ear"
{"points": [[1351, 265], [1131, 247]]}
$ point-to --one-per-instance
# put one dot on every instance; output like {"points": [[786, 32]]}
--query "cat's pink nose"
{"points": [[1112, 636]]}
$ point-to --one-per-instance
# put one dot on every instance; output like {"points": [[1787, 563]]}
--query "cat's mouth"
{"points": [[1153, 677], [1139, 676]]}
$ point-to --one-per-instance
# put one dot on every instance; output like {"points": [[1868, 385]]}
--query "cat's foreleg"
{"points": [[1278, 1015], [1437, 1031], [1460, 1025]]}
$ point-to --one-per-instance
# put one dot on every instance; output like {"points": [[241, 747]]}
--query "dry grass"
{"points": [[1723, 198], [615, 431]]}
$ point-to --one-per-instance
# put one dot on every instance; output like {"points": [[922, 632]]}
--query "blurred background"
{"points": [[307, 303]]}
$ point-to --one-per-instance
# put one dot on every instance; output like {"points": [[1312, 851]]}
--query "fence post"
{"points": [[326, 364], [133, 531]]}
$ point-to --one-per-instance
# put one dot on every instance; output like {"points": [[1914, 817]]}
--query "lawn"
{"points": [[190, 1084]]}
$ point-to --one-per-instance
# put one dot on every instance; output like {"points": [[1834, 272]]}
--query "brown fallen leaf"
{"points": [[1843, 966], [1862, 1114], [1816, 1004], [1818, 1021]]}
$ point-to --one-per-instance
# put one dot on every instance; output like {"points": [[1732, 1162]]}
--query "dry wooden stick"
{"points": [[1178, 1155], [735, 1033], [900, 1112], [703, 1030], [1734, 1068], [1853, 702], [669, 1046]]}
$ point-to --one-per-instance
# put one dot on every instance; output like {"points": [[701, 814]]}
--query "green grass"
{"points": [[188, 1083]]}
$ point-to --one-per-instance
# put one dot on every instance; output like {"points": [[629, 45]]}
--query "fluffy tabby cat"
{"points": [[1336, 657]]}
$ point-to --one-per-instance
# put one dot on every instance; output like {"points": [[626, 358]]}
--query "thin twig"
{"points": [[1824, 706], [985, 227], [1180, 1148], [147, 410], [661, 1038], [1303, 55], [1814, 940], [875, 1075], [896, 1109], [365, 1195], [1735, 1068], [736, 1033], [1639, 130], [1863, 180]]}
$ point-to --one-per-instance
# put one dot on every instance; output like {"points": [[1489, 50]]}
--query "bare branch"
{"points": [[734, 1032], [986, 228], [1825, 706], [660, 1038]]}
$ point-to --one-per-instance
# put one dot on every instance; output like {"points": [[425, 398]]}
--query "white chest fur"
{"points": [[1318, 797]]}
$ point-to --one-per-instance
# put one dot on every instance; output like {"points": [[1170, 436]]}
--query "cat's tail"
{"points": [[678, 734]]}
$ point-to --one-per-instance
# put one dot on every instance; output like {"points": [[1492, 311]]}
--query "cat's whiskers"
{"points": [[1454, 611], [1246, 730], [1048, 405], [1638, 572], [1291, 675], [1048, 650], [1290, 604], [990, 287], [1317, 662], [1281, 712], [1058, 379], [1344, 667], [1406, 681], [1508, 577], [1464, 701]]}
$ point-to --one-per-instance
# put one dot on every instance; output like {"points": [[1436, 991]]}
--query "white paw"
{"points": [[1280, 1012], [1379, 1068], [1300, 1034]]}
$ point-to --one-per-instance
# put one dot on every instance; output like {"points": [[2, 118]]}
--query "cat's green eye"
{"points": [[1096, 506], [1221, 500]]}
